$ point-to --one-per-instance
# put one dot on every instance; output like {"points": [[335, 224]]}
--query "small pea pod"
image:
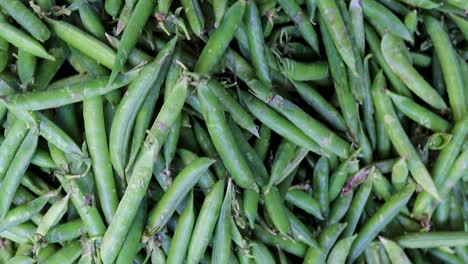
{"points": [[379, 220], [10, 145], [426, 4], [300, 231], [340, 250], [194, 15], [340, 207], [356, 208], [205, 224], [291, 246], [461, 23], [261, 254], [399, 175], [394, 251], [392, 48], [433, 239], [182, 184], [53, 216], [304, 201], [218, 42], [66, 255], [450, 66], [276, 210], [222, 235], [23, 41], [26, 65]]}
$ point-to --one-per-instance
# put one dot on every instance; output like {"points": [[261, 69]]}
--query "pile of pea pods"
{"points": [[233, 131]]}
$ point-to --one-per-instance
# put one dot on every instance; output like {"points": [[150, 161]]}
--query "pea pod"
{"points": [[53, 216], [205, 224], [426, 4], [340, 250], [392, 52], [276, 210], [222, 236], [394, 252], [67, 254]]}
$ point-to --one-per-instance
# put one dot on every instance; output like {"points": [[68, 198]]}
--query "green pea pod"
{"points": [[300, 231], [399, 175], [209, 150], [340, 79], [91, 20], [205, 224], [23, 41], [222, 236], [47, 69], [26, 64], [401, 141], [256, 42], [10, 145], [157, 256], [374, 45], [112, 7], [180, 187], [411, 22], [340, 175], [314, 256], [339, 208], [219, 41], [384, 18], [338, 32], [300, 71], [207, 180], [391, 50], [291, 246], [379, 220], [194, 15], [53, 216], [132, 240], [19, 259], [325, 138], [340, 250], [394, 252], [238, 113], [219, 8], [419, 114], [65, 232], [433, 239], [262, 144], [15, 171], [461, 23], [304, 201], [449, 64], [295, 13], [357, 19], [182, 234], [329, 235], [261, 254], [320, 185], [356, 208], [381, 187], [279, 124], [222, 138], [122, 124], [276, 210], [67, 254], [54, 98]]}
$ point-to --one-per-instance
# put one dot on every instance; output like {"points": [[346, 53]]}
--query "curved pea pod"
{"points": [[455, 173], [433, 239], [23, 41], [205, 224], [283, 154], [320, 185], [339, 208], [256, 42], [223, 139], [328, 236], [67, 254], [261, 254], [392, 51], [325, 138], [300, 231], [419, 114], [151, 75], [356, 208], [276, 210], [10, 145], [461, 23], [295, 13], [207, 180], [450, 66], [65, 232], [401, 141], [182, 234], [399, 175], [208, 149], [385, 19], [300, 71], [112, 7], [82, 41], [91, 20], [394, 251], [279, 124], [26, 18], [132, 240], [53, 216], [335, 25], [379, 220], [180, 187], [291, 246], [24, 212], [26, 64], [220, 39], [223, 231], [374, 45], [238, 113], [68, 95], [194, 15], [304, 201], [340, 250], [340, 175], [15, 171]]}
